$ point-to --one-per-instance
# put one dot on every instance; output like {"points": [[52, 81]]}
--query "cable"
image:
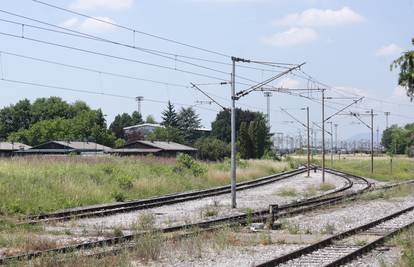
{"points": [[93, 70], [93, 92], [132, 30], [112, 56]]}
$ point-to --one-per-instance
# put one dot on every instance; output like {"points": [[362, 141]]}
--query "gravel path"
{"points": [[207, 208]]}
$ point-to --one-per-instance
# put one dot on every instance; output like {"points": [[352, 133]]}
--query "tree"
{"points": [[245, 143], [120, 122], [188, 123], [210, 148], [398, 140], [406, 75], [87, 126], [150, 119], [168, 134], [124, 120], [15, 117], [169, 116], [259, 136]]}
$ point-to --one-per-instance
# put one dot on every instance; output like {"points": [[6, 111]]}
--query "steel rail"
{"points": [[328, 241], [256, 216], [114, 208]]}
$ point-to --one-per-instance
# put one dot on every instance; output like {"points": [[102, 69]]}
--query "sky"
{"points": [[347, 45]]}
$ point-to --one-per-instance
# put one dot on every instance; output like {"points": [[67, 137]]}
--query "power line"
{"points": [[93, 70], [134, 31], [94, 92], [112, 56]]}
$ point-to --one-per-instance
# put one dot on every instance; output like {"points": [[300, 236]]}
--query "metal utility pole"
{"points": [[372, 141], [336, 137], [307, 118], [331, 144], [233, 134], [323, 136], [268, 95], [377, 145], [139, 99], [387, 114]]}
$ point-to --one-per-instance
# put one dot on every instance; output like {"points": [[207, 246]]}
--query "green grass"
{"points": [[403, 167], [42, 184]]}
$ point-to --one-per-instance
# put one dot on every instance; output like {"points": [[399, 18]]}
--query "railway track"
{"points": [[115, 208], [256, 216], [342, 248]]}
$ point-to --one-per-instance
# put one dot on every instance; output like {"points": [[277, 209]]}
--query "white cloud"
{"points": [[389, 50], [104, 4], [229, 1], [318, 17], [291, 37], [399, 92], [89, 25]]}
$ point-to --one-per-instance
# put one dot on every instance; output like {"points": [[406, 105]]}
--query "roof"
{"points": [[13, 146], [77, 145], [134, 150], [165, 145], [47, 151], [155, 125]]}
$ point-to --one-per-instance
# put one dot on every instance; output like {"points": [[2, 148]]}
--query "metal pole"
{"points": [[139, 99], [268, 95], [331, 145], [387, 113], [233, 134], [372, 141], [336, 137], [323, 135], [307, 115]]}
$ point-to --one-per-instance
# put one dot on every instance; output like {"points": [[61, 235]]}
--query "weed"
{"points": [[145, 222], [288, 192], [328, 229], [249, 216], [117, 232], [361, 242], [265, 239], [326, 187]]}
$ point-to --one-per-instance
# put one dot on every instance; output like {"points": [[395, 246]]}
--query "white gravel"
{"points": [[194, 211], [350, 215]]}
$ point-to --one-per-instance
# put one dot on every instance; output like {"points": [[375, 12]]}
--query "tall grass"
{"points": [[402, 168], [42, 183]]}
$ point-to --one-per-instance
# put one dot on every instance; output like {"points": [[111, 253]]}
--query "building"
{"points": [[158, 148], [139, 131], [8, 148], [66, 147]]}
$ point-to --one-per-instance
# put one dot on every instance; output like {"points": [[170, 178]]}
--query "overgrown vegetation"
{"points": [[41, 184], [403, 167]]}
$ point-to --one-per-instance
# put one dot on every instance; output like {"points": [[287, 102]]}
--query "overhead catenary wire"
{"points": [[28, 83], [112, 56], [134, 31]]}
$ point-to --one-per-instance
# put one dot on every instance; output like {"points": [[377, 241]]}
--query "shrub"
{"points": [[186, 162]]}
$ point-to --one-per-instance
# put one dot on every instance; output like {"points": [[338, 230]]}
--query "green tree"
{"points": [[150, 119], [188, 122], [221, 126], [169, 134], [210, 148], [52, 108], [169, 116], [124, 120], [15, 117], [406, 76], [245, 145]]}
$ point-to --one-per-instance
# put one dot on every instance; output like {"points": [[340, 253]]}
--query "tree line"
{"points": [[52, 118], [399, 140]]}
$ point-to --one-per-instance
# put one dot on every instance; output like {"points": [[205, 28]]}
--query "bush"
{"points": [[186, 162], [271, 155], [210, 148]]}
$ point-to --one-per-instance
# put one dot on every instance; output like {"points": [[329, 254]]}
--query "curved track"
{"points": [[257, 216], [114, 208]]}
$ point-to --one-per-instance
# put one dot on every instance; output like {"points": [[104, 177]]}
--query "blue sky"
{"points": [[348, 45]]}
